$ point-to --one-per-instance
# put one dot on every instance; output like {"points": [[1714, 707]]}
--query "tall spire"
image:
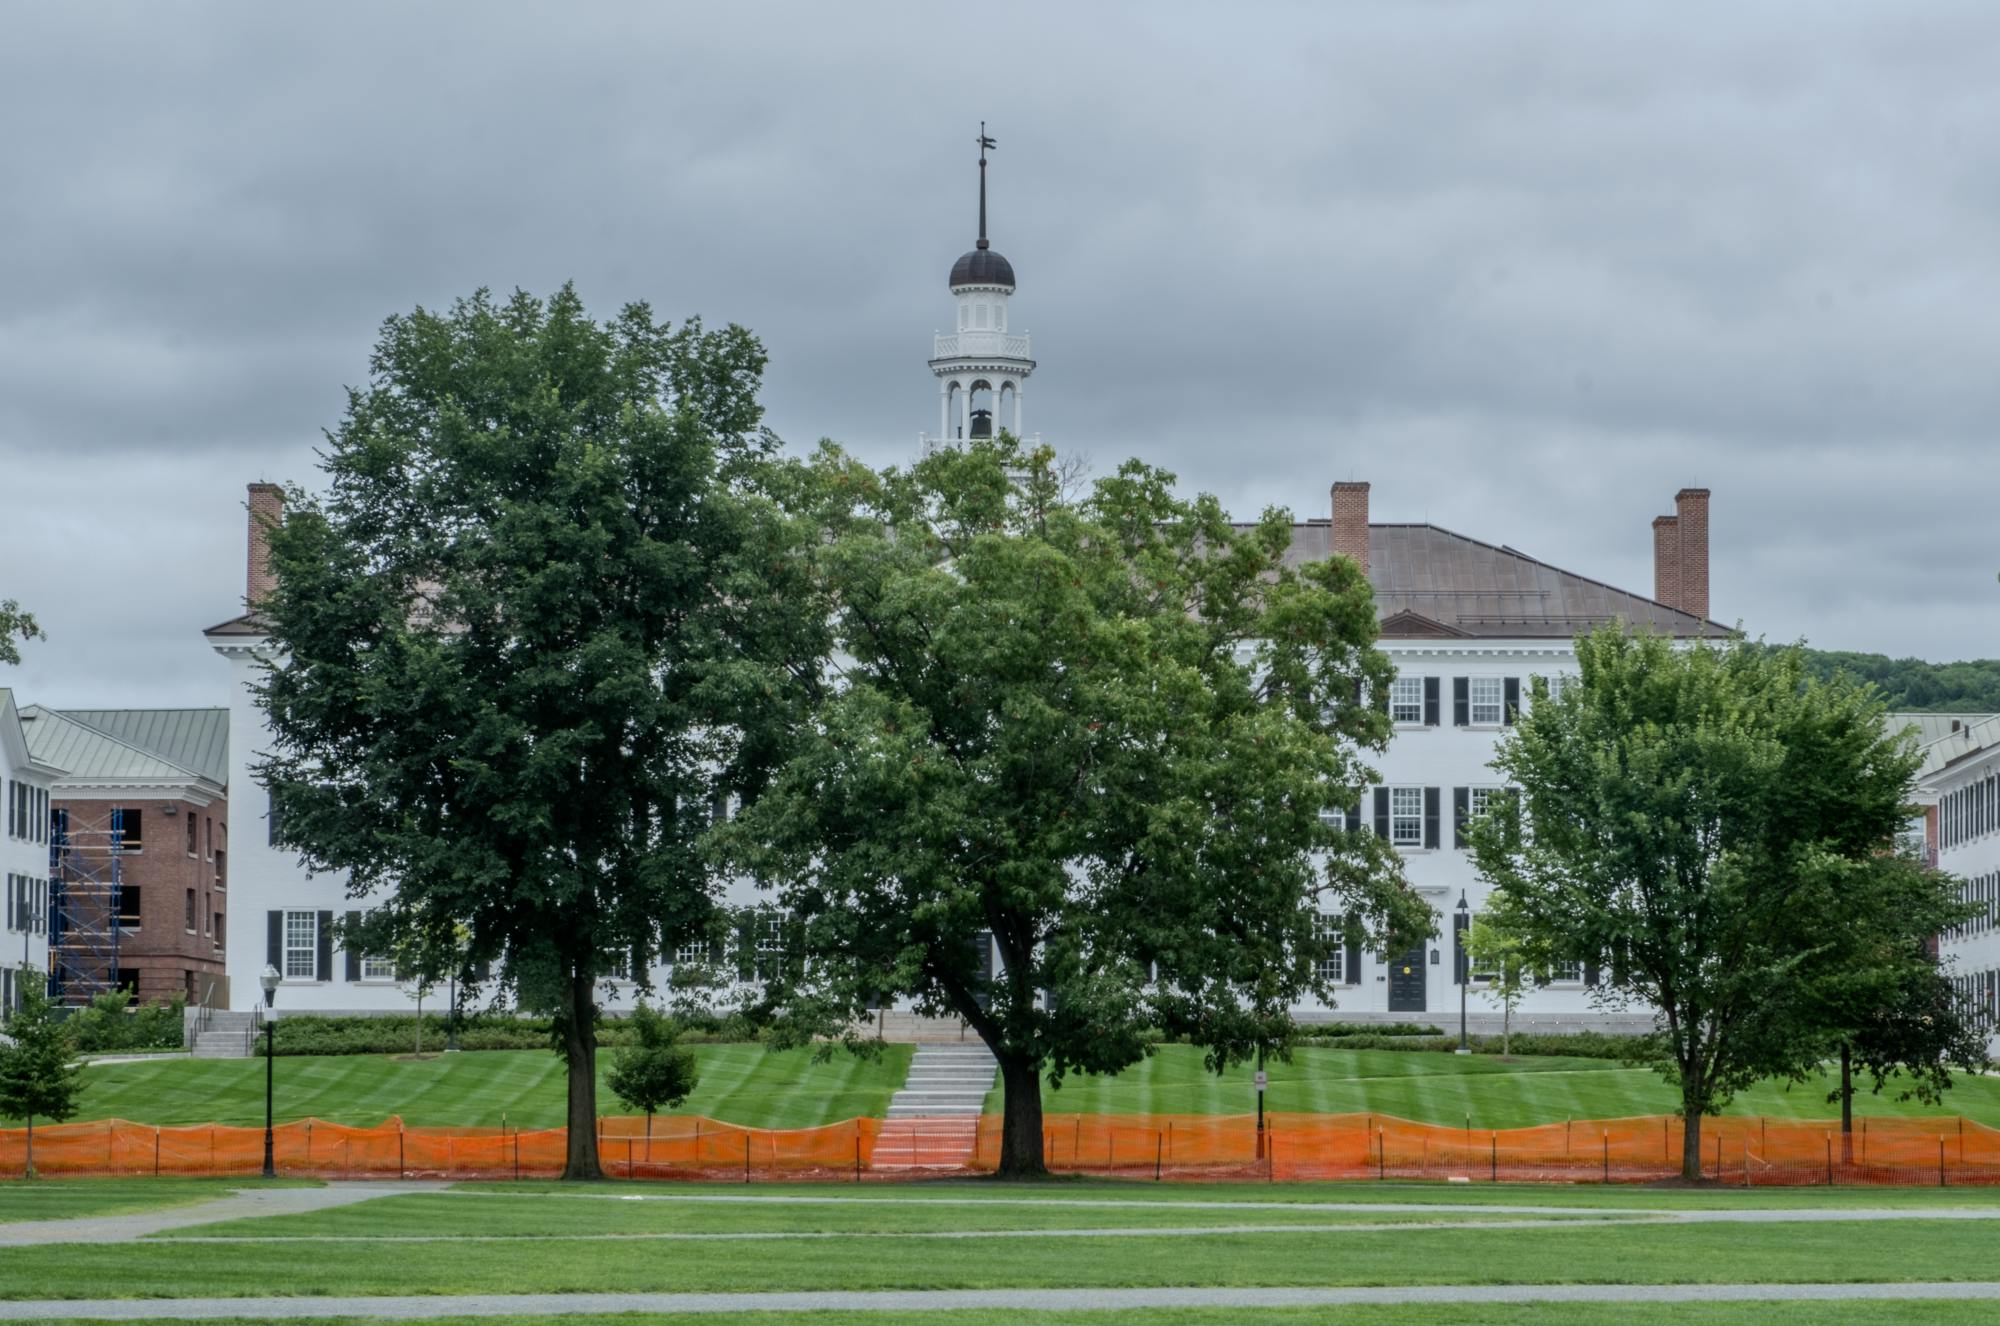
{"points": [[984, 143]]}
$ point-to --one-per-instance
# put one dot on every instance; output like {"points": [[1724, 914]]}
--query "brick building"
{"points": [[153, 785]]}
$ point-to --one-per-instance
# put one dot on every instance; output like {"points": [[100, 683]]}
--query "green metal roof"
{"points": [[196, 739]]}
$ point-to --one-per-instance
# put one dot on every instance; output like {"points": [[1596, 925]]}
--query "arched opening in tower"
{"points": [[981, 416]]}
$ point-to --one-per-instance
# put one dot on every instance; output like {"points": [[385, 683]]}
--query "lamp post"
{"points": [[1463, 961], [269, 980], [451, 1015]]}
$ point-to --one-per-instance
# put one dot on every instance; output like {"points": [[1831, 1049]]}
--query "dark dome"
{"points": [[982, 266]]}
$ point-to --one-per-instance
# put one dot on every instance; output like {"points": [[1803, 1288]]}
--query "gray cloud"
{"points": [[1527, 268]]}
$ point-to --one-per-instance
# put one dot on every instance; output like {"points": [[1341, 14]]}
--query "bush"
{"points": [[1572, 1045], [396, 1033], [1337, 1030], [109, 1023]]}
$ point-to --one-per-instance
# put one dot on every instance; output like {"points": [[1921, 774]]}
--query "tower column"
{"points": [[965, 412], [944, 409], [1018, 432]]}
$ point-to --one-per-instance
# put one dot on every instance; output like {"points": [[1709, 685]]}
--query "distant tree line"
{"points": [[1911, 684]]}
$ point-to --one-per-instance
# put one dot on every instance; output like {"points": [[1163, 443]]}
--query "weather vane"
{"points": [[984, 143]]}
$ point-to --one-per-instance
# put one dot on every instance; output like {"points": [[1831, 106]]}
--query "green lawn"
{"points": [[743, 1084], [1883, 1313], [70, 1199], [1446, 1088], [1648, 1253]]}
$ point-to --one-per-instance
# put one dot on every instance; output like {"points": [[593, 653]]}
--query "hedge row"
{"points": [[1318, 1031], [313, 1033], [109, 1023], [1574, 1045]]}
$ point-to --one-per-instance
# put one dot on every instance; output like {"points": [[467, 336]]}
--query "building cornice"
{"points": [[985, 364], [134, 789], [1473, 648]]}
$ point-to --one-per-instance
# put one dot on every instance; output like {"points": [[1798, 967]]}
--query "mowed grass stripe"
{"points": [[741, 1084], [1611, 1253], [1447, 1088]]}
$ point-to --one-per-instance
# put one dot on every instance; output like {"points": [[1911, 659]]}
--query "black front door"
{"points": [[1406, 982]]}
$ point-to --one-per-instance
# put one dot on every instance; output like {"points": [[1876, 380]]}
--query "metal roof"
{"points": [[1971, 740], [196, 739], [89, 754], [982, 266], [1431, 582], [1935, 727]]}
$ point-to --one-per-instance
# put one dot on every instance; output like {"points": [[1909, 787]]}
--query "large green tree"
{"points": [[1716, 827], [1109, 733], [509, 644], [15, 624]]}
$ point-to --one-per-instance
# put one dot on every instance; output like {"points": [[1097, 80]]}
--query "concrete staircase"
{"points": [[933, 1122], [226, 1036]]}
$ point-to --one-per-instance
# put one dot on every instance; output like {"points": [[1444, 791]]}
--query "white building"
{"points": [[25, 783], [1960, 779], [1467, 623]]}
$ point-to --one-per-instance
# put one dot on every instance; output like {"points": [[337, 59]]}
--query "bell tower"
{"points": [[981, 367]]}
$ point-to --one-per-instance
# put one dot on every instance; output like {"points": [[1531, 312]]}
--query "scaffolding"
{"points": [[85, 887]]}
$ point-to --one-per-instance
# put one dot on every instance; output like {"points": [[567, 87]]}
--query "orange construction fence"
{"points": [[1748, 1151], [1742, 1150], [674, 1146]]}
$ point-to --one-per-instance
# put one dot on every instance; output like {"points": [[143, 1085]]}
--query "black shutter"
{"points": [[350, 944], [1591, 972], [1461, 811], [323, 966], [1461, 701], [746, 944], [1351, 968], [1382, 813], [1351, 817], [1513, 709], [274, 940], [1460, 959], [1431, 798], [1430, 702]]}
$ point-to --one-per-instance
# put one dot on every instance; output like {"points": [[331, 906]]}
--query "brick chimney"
{"points": [[1667, 560], [1691, 508], [267, 508], [1350, 521]]}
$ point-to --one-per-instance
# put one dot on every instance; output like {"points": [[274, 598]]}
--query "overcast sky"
{"points": [[1527, 270]]}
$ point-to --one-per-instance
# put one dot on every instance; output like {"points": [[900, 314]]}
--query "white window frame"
{"points": [[1406, 700], [1566, 973], [377, 968], [297, 925], [1474, 974], [695, 954], [1486, 701], [1333, 967], [1401, 819]]}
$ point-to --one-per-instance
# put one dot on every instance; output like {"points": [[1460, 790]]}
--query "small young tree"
{"points": [[1719, 826], [1495, 948], [655, 1072], [39, 1072]]}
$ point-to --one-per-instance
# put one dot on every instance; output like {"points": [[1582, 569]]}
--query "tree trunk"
{"points": [[1021, 1124], [580, 1056], [1691, 1145], [1846, 1105], [1506, 1031]]}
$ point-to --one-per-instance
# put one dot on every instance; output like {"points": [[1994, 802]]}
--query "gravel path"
{"points": [[256, 1202], [412, 1308]]}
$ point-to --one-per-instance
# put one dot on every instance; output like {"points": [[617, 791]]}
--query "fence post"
{"points": [[1666, 1140], [1940, 1160], [156, 1152], [1271, 1154], [1746, 1162], [400, 1166], [1381, 1154], [1718, 1153], [1829, 1160], [1110, 1149], [1159, 1152], [746, 1157], [857, 1150], [629, 1172], [517, 1157], [1493, 1156], [1607, 1157], [1961, 1134]]}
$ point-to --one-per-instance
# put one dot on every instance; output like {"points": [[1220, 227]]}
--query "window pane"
{"points": [[1406, 700], [1329, 929], [1406, 816], [1488, 695], [301, 945]]}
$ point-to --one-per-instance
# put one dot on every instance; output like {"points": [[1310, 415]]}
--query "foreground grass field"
{"points": [[1446, 1088], [744, 1084], [554, 1239], [1880, 1313]]}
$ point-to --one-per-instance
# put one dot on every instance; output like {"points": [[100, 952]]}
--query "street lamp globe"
{"points": [[269, 980]]}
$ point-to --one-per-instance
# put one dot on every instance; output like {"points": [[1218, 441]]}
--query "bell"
{"points": [[982, 423]]}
